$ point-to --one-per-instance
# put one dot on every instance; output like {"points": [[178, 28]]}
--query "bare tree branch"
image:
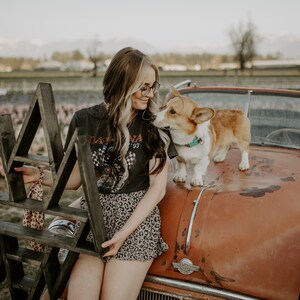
{"points": [[244, 40], [94, 54]]}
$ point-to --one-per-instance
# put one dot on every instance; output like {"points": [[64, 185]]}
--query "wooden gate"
{"points": [[15, 152]]}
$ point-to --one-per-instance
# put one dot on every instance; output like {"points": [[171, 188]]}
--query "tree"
{"points": [[94, 55], [244, 40], [77, 55], [62, 57]]}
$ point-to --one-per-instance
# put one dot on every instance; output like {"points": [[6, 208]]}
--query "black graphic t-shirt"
{"points": [[108, 172]]}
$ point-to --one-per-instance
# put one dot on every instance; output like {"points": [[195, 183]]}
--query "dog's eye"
{"points": [[162, 107], [172, 111]]}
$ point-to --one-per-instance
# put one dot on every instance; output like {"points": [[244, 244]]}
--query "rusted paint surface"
{"points": [[246, 233], [219, 278], [259, 192]]}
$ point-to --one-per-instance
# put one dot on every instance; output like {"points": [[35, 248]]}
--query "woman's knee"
{"points": [[88, 270], [86, 278], [88, 265], [123, 279]]}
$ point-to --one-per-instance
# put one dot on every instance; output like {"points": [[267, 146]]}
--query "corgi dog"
{"points": [[201, 134]]}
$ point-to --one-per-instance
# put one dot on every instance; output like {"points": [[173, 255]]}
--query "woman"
{"points": [[131, 164]]}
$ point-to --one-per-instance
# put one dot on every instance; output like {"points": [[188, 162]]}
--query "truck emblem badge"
{"points": [[185, 266]]}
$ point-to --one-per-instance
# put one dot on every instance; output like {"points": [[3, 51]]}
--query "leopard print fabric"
{"points": [[146, 242], [35, 219]]}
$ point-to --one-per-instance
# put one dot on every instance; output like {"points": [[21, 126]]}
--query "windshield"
{"points": [[275, 117]]}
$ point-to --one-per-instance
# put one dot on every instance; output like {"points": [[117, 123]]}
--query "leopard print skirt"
{"points": [[145, 243]]}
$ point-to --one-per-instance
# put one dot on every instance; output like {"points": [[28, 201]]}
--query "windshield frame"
{"points": [[286, 137]]}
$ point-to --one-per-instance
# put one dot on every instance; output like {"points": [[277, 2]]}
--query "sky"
{"points": [[160, 23]]}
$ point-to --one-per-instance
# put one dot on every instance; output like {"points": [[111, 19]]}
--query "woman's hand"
{"points": [[30, 174], [114, 244], [2, 173]]}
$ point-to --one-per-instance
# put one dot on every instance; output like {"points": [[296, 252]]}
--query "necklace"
{"points": [[132, 117]]}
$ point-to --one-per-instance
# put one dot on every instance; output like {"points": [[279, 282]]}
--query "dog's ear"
{"points": [[202, 114], [172, 94]]}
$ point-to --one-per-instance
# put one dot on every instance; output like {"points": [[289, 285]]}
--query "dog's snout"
{"points": [[158, 117]]}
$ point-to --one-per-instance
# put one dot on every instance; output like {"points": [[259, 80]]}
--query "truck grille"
{"points": [[150, 295]]}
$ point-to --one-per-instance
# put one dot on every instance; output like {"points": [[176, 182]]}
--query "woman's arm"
{"points": [[153, 196], [32, 174]]}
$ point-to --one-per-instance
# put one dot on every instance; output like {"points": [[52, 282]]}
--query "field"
{"points": [[281, 72], [75, 87]]}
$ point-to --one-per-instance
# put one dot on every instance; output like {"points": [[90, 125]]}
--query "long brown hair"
{"points": [[124, 76]]}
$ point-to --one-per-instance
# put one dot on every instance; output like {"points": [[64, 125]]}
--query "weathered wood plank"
{"points": [[14, 269], [17, 294], [51, 271], [59, 211], [64, 274], [7, 136], [32, 159], [30, 125], [50, 125], [7, 141], [91, 192], [45, 237], [81, 233], [39, 282], [24, 283], [37, 287], [62, 175], [2, 268], [26, 255]]}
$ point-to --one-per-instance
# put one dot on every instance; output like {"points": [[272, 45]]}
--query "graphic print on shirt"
{"points": [[109, 174]]}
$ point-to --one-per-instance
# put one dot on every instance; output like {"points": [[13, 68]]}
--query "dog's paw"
{"points": [[220, 156], [244, 165], [218, 159], [196, 182], [179, 179]]}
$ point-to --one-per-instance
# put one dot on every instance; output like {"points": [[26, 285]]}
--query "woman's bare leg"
{"points": [[123, 279], [86, 278]]}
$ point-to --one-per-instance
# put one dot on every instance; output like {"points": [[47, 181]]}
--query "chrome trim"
{"points": [[189, 234], [183, 83], [249, 94], [198, 288]]}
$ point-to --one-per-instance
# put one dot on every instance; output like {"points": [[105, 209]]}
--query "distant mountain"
{"points": [[220, 48], [39, 50], [287, 45]]}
